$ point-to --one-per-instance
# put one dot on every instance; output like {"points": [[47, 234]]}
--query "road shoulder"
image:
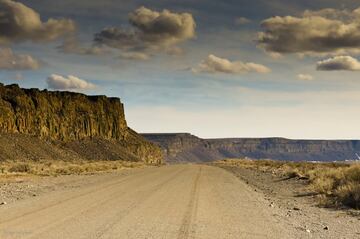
{"points": [[293, 202]]}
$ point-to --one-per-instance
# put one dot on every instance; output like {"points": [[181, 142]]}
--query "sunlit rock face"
{"points": [[60, 115], [68, 117]]}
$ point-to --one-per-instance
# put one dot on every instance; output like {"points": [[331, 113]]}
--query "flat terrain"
{"points": [[180, 201]]}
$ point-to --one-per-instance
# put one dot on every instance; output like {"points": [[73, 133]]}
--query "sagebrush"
{"points": [[59, 167], [337, 184]]}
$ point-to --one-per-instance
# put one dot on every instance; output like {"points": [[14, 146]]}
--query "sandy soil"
{"points": [[17, 188], [298, 207], [179, 201]]}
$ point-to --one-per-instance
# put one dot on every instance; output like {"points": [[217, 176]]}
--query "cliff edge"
{"points": [[184, 147], [91, 127]]}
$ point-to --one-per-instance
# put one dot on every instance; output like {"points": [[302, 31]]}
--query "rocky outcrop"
{"points": [[60, 115], [186, 147], [70, 118]]}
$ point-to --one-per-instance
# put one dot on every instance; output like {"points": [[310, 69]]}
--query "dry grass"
{"points": [[57, 167], [337, 184]]}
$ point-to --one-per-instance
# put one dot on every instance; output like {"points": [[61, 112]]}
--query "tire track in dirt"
{"points": [[120, 215], [185, 229], [87, 193], [178, 201], [110, 200]]}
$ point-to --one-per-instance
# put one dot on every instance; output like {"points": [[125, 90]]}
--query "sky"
{"points": [[259, 68]]}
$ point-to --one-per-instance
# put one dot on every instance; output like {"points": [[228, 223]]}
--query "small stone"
{"points": [[3, 203], [326, 228], [296, 209], [308, 231]]}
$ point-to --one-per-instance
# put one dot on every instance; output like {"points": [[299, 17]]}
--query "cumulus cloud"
{"points": [[11, 61], [339, 63], [151, 30], [305, 77], [324, 32], [70, 82], [73, 46], [134, 56], [20, 23], [119, 38], [214, 64], [242, 21]]}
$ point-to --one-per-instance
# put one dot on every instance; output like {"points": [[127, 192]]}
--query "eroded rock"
{"points": [[72, 117]]}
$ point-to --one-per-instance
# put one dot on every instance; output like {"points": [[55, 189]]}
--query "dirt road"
{"points": [[180, 201]]}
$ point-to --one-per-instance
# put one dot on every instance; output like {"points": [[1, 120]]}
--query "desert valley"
{"points": [[69, 160], [179, 119]]}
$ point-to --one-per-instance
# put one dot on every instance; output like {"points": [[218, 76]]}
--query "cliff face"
{"points": [[183, 147], [60, 115], [186, 147], [69, 117], [174, 144]]}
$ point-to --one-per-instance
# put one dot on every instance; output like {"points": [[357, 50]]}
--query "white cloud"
{"points": [[70, 82], [151, 31], [305, 77], [11, 61], [214, 64], [20, 23], [324, 32], [339, 63]]}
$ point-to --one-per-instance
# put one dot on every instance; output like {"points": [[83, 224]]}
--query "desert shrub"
{"points": [[353, 174], [62, 171], [20, 168], [349, 195], [75, 169], [335, 183], [59, 167], [293, 173], [2, 169], [323, 185]]}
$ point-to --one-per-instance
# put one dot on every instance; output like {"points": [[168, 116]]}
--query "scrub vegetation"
{"points": [[336, 184]]}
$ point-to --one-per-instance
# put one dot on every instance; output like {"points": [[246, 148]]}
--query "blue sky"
{"points": [[191, 92]]}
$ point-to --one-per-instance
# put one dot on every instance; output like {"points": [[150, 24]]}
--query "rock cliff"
{"points": [[71, 119], [184, 147]]}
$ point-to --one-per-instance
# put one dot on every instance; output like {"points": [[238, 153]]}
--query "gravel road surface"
{"points": [[179, 201]]}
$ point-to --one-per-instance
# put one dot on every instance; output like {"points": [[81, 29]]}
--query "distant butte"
{"points": [[184, 147]]}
